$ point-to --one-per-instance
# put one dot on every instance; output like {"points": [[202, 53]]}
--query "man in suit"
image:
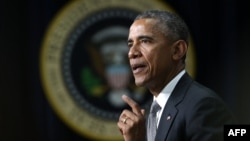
{"points": [[188, 111]]}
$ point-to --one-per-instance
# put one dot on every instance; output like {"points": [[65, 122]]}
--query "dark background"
{"points": [[220, 31]]}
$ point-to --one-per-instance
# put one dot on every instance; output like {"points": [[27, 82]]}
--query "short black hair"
{"points": [[170, 24]]}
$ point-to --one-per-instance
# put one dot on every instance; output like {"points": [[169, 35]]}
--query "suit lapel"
{"points": [[166, 121], [170, 111]]}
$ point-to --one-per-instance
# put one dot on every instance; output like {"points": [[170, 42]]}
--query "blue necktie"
{"points": [[152, 121]]}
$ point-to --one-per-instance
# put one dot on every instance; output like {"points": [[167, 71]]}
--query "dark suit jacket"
{"points": [[193, 113]]}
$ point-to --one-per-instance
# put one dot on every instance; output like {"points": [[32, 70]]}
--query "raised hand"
{"points": [[132, 122]]}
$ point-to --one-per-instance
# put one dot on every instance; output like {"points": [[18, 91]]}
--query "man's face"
{"points": [[150, 54]]}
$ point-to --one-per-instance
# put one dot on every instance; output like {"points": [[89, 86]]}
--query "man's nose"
{"points": [[134, 52]]}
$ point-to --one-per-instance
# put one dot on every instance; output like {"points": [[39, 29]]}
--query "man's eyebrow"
{"points": [[129, 41], [141, 37], [145, 37]]}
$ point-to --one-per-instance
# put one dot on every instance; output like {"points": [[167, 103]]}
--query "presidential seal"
{"points": [[84, 65]]}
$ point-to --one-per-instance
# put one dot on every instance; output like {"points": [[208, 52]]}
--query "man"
{"points": [[158, 43]]}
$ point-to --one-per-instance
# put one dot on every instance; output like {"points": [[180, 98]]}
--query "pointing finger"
{"points": [[135, 107]]}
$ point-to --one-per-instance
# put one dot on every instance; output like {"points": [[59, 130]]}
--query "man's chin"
{"points": [[139, 83]]}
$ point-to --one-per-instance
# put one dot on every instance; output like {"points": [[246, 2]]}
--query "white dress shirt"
{"points": [[162, 98]]}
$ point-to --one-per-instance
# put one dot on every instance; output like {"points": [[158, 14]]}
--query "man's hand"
{"points": [[132, 123]]}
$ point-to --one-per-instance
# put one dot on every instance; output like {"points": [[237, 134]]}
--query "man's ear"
{"points": [[180, 49]]}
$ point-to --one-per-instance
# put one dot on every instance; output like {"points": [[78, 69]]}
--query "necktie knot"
{"points": [[155, 107]]}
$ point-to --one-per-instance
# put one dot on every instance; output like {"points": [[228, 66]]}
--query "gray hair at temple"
{"points": [[170, 24]]}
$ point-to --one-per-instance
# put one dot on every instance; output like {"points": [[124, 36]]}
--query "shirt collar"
{"points": [[162, 98]]}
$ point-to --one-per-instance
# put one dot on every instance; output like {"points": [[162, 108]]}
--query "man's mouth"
{"points": [[136, 68]]}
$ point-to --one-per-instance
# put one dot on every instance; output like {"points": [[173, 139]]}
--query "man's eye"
{"points": [[145, 41], [129, 45]]}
